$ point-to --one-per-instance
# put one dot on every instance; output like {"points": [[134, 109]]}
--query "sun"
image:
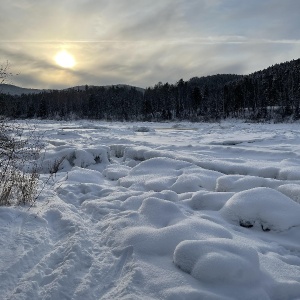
{"points": [[64, 59]]}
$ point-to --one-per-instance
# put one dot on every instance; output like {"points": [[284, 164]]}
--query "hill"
{"points": [[269, 94], [16, 90]]}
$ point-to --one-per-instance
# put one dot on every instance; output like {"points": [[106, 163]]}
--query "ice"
{"points": [[158, 211]]}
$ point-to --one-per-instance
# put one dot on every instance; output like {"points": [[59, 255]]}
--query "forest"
{"points": [[270, 94]]}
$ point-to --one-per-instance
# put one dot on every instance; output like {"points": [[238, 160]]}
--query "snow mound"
{"points": [[160, 213], [238, 183], [291, 190], [290, 173], [264, 207], [218, 261], [186, 183], [241, 167], [135, 153], [81, 184], [195, 178], [83, 176], [134, 202], [116, 171], [163, 173], [155, 174], [208, 200], [159, 235], [64, 158]]}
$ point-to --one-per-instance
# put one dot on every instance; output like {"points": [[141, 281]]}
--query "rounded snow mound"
{"points": [[291, 190], [65, 158], [264, 207], [160, 213], [116, 171], [218, 261]]}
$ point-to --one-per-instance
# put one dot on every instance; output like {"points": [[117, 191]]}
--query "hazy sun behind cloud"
{"points": [[64, 59], [100, 42]]}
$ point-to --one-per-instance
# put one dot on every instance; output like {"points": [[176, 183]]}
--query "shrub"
{"points": [[19, 176]]}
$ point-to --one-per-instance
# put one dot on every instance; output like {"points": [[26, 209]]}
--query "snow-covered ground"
{"points": [[159, 211]]}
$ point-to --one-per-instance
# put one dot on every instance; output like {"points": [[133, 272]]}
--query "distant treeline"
{"points": [[273, 93]]}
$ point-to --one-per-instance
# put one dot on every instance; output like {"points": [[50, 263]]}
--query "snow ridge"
{"points": [[150, 211]]}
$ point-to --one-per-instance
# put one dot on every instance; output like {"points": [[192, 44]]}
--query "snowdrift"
{"points": [[149, 211]]}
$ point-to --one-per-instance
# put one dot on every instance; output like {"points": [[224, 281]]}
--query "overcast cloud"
{"points": [[142, 42]]}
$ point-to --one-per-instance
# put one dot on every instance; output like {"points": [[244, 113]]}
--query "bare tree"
{"points": [[4, 72]]}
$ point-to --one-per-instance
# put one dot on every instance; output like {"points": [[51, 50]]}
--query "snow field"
{"points": [[159, 211]]}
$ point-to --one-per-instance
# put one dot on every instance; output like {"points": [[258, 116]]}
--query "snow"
{"points": [[158, 211], [218, 260], [291, 190], [265, 207]]}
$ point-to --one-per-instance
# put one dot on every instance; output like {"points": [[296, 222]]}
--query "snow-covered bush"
{"points": [[18, 173]]}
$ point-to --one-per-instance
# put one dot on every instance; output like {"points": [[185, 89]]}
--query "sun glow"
{"points": [[65, 59]]}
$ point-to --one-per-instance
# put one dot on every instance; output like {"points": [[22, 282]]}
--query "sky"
{"points": [[143, 42]]}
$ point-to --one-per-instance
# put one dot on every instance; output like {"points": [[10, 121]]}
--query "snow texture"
{"points": [[158, 211], [262, 206]]}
